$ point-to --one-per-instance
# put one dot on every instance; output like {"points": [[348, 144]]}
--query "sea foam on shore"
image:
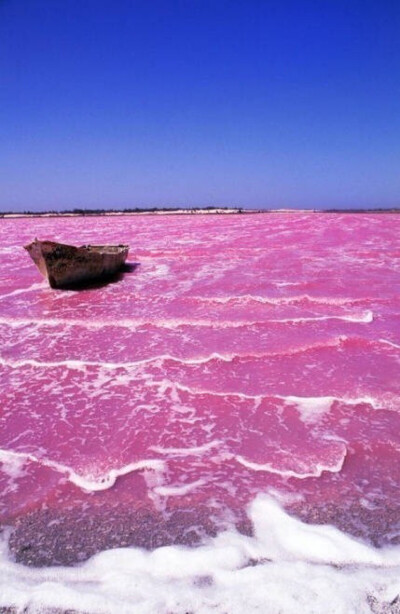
{"points": [[288, 567]]}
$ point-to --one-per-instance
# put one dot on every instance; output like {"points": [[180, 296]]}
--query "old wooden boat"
{"points": [[67, 265]]}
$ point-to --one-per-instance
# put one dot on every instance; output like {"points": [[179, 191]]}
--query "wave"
{"points": [[387, 342], [178, 490], [195, 450], [311, 409], [364, 317], [302, 402], [86, 482], [32, 288], [82, 364], [341, 341], [286, 567], [286, 300], [316, 472], [10, 250]]}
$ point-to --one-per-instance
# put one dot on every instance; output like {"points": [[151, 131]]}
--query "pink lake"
{"points": [[243, 355]]}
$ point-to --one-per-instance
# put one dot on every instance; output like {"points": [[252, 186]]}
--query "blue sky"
{"points": [[270, 103]]}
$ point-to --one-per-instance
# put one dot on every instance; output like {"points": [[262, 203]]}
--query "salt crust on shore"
{"points": [[288, 567]]}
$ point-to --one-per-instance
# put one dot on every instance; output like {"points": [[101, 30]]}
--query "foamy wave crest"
{"points": [[194, 450], [364, 317], [281, 300], [10, 249], [302, 471], [87, 482], [193, 360], [304, 404], [178, 490], [287, 567], [387, 342], [311, 409], [82, 364], [32, 288]]}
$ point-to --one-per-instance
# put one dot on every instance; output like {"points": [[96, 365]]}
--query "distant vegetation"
{"points": [[82, 211], [190, 210], [151, 210]]}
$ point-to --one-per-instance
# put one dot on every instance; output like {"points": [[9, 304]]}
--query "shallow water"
{"points": [[246, 360]]}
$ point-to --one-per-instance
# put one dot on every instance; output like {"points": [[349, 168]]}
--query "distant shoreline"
{"points": [[115, 213], [182, 211]]}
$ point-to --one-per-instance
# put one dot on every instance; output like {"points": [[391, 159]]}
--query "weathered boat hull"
{"points": [[67, 265]]}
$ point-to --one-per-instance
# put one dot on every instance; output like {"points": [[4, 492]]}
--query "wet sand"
{"points": [[53, 537]]}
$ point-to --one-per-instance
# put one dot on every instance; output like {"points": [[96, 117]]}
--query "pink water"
{"points": [[243, 355]]}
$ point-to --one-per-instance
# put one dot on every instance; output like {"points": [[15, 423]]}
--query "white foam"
{"points": [[291, 540], [287, 283], [311, 409], [12, 465], [387, 342], [288, 567], [178, 490], [166, 384], [81, 364], [32, 288], [194, 360], [365, 317], [301, 402], [280, 300], [157, 270], [197, 450], [302, 472], [173, 323], [9, 250], [88, 482], [13, 468]]}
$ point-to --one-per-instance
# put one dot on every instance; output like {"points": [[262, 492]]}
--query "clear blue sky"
{"points": [[272, 103]]}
